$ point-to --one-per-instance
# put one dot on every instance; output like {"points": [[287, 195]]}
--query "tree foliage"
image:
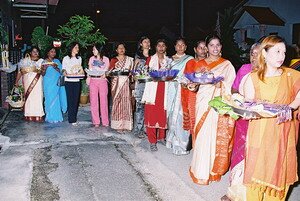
{"points": [[80, 29], [3, 35], [231, 50], [40, 39]]}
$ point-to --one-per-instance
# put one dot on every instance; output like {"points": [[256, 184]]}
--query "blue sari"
{"points": [[55, 96], [177, 138]]}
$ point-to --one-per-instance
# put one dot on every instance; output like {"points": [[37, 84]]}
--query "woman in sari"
{"points": [[177, 138], [188, 98], [30, 71], [271, 156], [140, 65], [212, 133], [237, 191], [55, 96], [121, 117], [155, 98]]}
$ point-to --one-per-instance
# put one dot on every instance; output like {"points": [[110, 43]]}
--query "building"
{"points": [[266, 17]]}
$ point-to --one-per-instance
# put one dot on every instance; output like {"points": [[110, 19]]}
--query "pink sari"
{"points": [[237, 190]]}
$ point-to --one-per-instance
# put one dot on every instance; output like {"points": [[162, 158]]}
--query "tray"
{"points": [[95, 72], [247, 113], [75, 76], [203, 80], [163, 79], [119, 73], [143, 80]]}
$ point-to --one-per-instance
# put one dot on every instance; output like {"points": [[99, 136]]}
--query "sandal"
{"points": [[153, 147]]}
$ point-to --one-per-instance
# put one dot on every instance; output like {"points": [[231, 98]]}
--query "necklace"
{"points": [[179, 56]]}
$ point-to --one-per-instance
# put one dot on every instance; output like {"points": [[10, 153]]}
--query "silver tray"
{"points": [[119, 73], [247, 113], [143, 80], [163, 79]]}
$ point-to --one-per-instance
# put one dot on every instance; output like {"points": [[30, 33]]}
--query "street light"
{"points": [[98, 11]]}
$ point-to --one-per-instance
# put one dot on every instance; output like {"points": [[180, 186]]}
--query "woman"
{"points": [[177, 138], [188, 98], [121, 117], [140, 65], [98, 87], [72, 64], [30, 71], [237, 191], [271, 156], [154, 98], [55, 96], [212, 132]]}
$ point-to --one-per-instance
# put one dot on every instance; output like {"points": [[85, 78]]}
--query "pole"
{"points": [[181, 17]]}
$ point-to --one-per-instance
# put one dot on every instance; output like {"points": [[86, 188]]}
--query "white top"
{"points": [[71, 65]]}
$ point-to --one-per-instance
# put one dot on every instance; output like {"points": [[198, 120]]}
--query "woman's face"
{"points": [[201, 50], [121, 49], [75, 49], [161, 48], [214, 47], [52, 53], [253, 56], [275, 55], [95, 51], [180, 47], [145, 44], [34, 53]]}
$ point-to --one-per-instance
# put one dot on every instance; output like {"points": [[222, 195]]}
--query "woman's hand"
{"points": [[88, 80], [193, 86]]}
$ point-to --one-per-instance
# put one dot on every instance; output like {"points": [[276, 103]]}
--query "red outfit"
{"points": [[156, 115]]}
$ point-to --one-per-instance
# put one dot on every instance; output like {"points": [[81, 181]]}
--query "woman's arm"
{"points": [[296, 103], [19, 75]]}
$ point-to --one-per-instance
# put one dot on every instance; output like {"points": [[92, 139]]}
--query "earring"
{"points": [[220, 54]]}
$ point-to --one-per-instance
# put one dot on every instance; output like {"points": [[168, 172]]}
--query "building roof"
{"points": [[51, 2], [35, 9], [264, 15]]}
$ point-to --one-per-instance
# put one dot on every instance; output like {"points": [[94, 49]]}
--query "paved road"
{"points": [[60, 162]]}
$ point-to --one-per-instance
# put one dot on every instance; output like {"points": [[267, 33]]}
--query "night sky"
{"points": [[127, 20]]}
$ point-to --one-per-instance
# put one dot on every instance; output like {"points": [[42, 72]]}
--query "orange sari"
{"points": [[188, 98], [271, 156], [213, 133]]}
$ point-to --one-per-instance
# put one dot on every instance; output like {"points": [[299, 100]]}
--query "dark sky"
{"points": [[129, 19]]}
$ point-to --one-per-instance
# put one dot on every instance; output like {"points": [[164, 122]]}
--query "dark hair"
{"points": [[70, 48], [211, 37], [48, 50], [198, 43], [180, 39], [139, 51], [100, 49], [117, 44], [34, 47], [161, 40]]}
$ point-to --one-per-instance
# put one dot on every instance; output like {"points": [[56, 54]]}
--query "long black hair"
{"points": [[70, 48], [100, 49], [48, 50], [139, 52]]}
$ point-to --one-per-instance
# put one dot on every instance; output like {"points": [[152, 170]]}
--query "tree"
{"points": [[231, 50], [40, 39], [80, 29]]}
